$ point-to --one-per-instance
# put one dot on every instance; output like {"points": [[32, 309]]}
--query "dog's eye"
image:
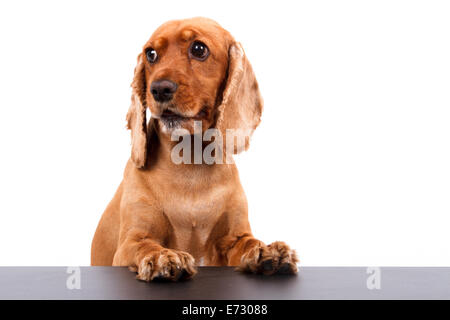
{"points": [[151, 55], [199, 51]]}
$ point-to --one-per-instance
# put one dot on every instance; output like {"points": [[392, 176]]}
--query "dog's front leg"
{"points": [[152, 261], [141, 249], [252, 255]]}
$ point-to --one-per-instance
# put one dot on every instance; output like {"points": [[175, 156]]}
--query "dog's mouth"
{"points": [[170, 116], [173, 120]]}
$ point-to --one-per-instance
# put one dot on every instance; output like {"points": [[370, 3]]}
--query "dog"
{"points": [[167, 218]]}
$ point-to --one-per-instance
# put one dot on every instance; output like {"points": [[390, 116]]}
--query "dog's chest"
{"points": [[193, 214]]}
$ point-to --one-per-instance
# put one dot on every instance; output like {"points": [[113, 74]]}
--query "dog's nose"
{"points": [[163, 90]]}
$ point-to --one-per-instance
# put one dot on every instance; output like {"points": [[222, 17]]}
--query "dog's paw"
{"points": [[166, 264], [274, 258]]}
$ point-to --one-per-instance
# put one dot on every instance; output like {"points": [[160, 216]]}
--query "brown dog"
{"points": [[165, 215]]}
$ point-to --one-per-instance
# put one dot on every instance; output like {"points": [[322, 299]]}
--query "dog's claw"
{"points": [[274, 258], [171, 265], [267, 265]]}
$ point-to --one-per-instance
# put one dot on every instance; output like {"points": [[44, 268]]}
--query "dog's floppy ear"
{"points": [[136, 116], [242, 104]]}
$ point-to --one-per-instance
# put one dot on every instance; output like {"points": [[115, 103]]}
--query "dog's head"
{"points": [[192, 70]]}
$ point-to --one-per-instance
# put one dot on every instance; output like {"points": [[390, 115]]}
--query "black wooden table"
{"points": [[225, 283]]}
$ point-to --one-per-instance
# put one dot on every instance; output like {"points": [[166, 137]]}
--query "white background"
{"points": [[350, 166]]}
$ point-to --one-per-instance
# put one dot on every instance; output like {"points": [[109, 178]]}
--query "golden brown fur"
{"points": [[166, 218]]}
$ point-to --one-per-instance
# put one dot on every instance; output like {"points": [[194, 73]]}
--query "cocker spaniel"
{"points": [[168, 217]]}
